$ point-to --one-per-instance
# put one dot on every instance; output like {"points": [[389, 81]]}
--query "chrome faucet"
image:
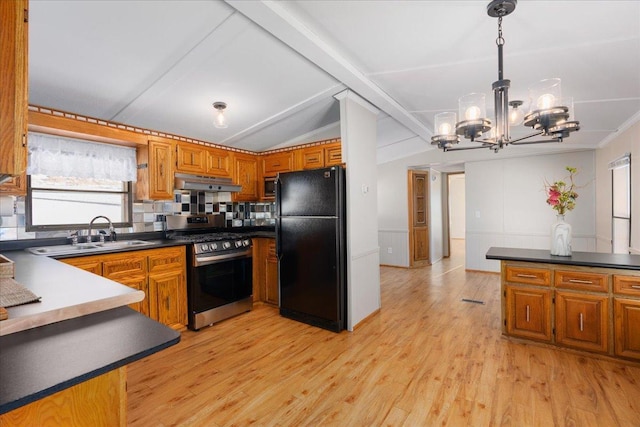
{"points": [[112, 231]]}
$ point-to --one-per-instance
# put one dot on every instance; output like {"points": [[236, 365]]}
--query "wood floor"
{"points": [[427, 358]]}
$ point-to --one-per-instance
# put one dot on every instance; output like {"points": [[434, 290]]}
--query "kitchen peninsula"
{"points": [[587, 301], [65, 358]]}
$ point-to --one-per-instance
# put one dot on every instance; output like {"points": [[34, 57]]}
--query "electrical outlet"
{"points": [[389, 250]]}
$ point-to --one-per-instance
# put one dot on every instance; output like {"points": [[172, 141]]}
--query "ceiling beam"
{"points": [[276, 19]]}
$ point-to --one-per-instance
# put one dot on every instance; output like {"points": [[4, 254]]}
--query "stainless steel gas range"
{"points": [[219, 268]]}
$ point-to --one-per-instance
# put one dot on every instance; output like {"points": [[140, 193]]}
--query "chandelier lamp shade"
{"points": [[549, 115], [220, 121]]}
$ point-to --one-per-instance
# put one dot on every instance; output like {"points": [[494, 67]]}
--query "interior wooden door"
{"points": [[418, 218]]}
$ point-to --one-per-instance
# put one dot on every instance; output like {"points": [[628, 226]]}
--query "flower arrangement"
{"points": [[561, 196]]}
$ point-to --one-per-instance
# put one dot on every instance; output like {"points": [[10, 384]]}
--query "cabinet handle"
{"points": [[635, 286], [528, 314], [167, 303], [161, 170], [527, 276], [581, 322], [585, 282]]}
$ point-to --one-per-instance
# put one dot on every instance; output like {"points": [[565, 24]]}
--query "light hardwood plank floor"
{"points": [[425, 359]]}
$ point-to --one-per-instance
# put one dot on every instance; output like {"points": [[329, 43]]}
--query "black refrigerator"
{"points": [[311, 246]]}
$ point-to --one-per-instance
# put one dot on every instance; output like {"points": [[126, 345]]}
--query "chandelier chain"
{"points": [[500, 39]]}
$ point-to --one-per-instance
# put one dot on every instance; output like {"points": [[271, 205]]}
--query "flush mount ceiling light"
{"points": [[549, 114], [220, 120]]}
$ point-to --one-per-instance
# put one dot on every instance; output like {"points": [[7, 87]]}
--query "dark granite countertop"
{"points": [[41, 361], [588, 259]]}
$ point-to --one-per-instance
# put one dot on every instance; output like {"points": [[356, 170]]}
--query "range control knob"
{"points": [[204, 247], [226, 245], [246, 242], [238, 243], [214, 246]]}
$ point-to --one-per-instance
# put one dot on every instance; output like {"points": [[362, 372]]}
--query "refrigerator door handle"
{"points": [[278, 239], [278, 212]]}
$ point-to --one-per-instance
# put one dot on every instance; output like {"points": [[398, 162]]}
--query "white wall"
{"points": [[435, 216], [358, 129], [627, 142], [506, 204], [457, 212], [393, 214]]}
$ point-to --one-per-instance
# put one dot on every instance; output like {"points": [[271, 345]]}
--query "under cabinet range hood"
{"points": [[204, 183]]}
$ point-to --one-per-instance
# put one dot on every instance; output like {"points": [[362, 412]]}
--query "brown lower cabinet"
{"points": [[583, 308], [265, 271], [529, 312], [582, 321], [160, 273], [100, 401]]}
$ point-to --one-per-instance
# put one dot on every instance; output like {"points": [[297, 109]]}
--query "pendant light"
{"points": [[549, 113], [220, 121]]}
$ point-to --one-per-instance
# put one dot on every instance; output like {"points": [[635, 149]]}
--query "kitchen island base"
{"points": [[588, 302]]}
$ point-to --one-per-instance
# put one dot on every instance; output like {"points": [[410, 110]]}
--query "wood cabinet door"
{"points": [[332, 154], [272, 291], [139, 283], [165, 259], [313, 157], [14, 40], [277, 162], [627, 327], [16, 186], [418, 217], [190, 158], [582, 321], [168, 306], [160, 170], [528, 312], [90, 264], [218, 163], [246, 175]]}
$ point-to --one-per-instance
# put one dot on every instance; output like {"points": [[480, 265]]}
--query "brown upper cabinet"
{"points": [[155, 171], [320, 156], [219, 163], [277, 162], [246, 175], [191, 158], [14, 36]]}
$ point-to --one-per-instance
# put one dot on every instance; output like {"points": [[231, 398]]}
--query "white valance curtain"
{"points": [[59, 156]]}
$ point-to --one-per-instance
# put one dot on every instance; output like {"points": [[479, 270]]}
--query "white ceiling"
{"points": [[161, 64]]}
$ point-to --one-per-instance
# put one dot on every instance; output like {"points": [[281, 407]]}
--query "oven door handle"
{"points": [[200, 261]]}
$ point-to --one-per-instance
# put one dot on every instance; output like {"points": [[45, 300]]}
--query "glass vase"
{"points": [[561, 237]]}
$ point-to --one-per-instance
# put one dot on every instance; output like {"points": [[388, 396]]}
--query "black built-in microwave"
{"points": [[269, 187]]}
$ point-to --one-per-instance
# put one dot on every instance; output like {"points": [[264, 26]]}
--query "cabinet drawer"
{"points": [[583, 281], [163, 260], [528, 275], [124, 267], [627, 285]]}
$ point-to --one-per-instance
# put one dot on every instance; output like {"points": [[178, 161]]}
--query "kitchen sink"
{"points": [[83, 248]]}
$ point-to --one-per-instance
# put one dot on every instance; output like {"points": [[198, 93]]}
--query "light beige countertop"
{"points": [[67, 292]]}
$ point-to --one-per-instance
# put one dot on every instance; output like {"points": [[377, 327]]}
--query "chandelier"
{"points": [[549, 114]]}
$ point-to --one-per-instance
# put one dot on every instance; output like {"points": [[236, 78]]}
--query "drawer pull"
{"points": [[581, 322], [527, 276], [635, 286], [528, 314], [585, 282]]}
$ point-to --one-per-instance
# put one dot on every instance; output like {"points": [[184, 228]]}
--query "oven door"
{"points": [[218, 283]]}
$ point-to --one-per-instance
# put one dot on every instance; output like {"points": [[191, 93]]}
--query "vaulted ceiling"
{"points": [[161, 64]]}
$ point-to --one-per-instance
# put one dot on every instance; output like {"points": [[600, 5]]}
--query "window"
{"points": [[63, 203], [621, 205], [71, 181]]}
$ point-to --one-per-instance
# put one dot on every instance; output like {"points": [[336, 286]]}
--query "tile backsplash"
{"points": [[148, 215]]}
